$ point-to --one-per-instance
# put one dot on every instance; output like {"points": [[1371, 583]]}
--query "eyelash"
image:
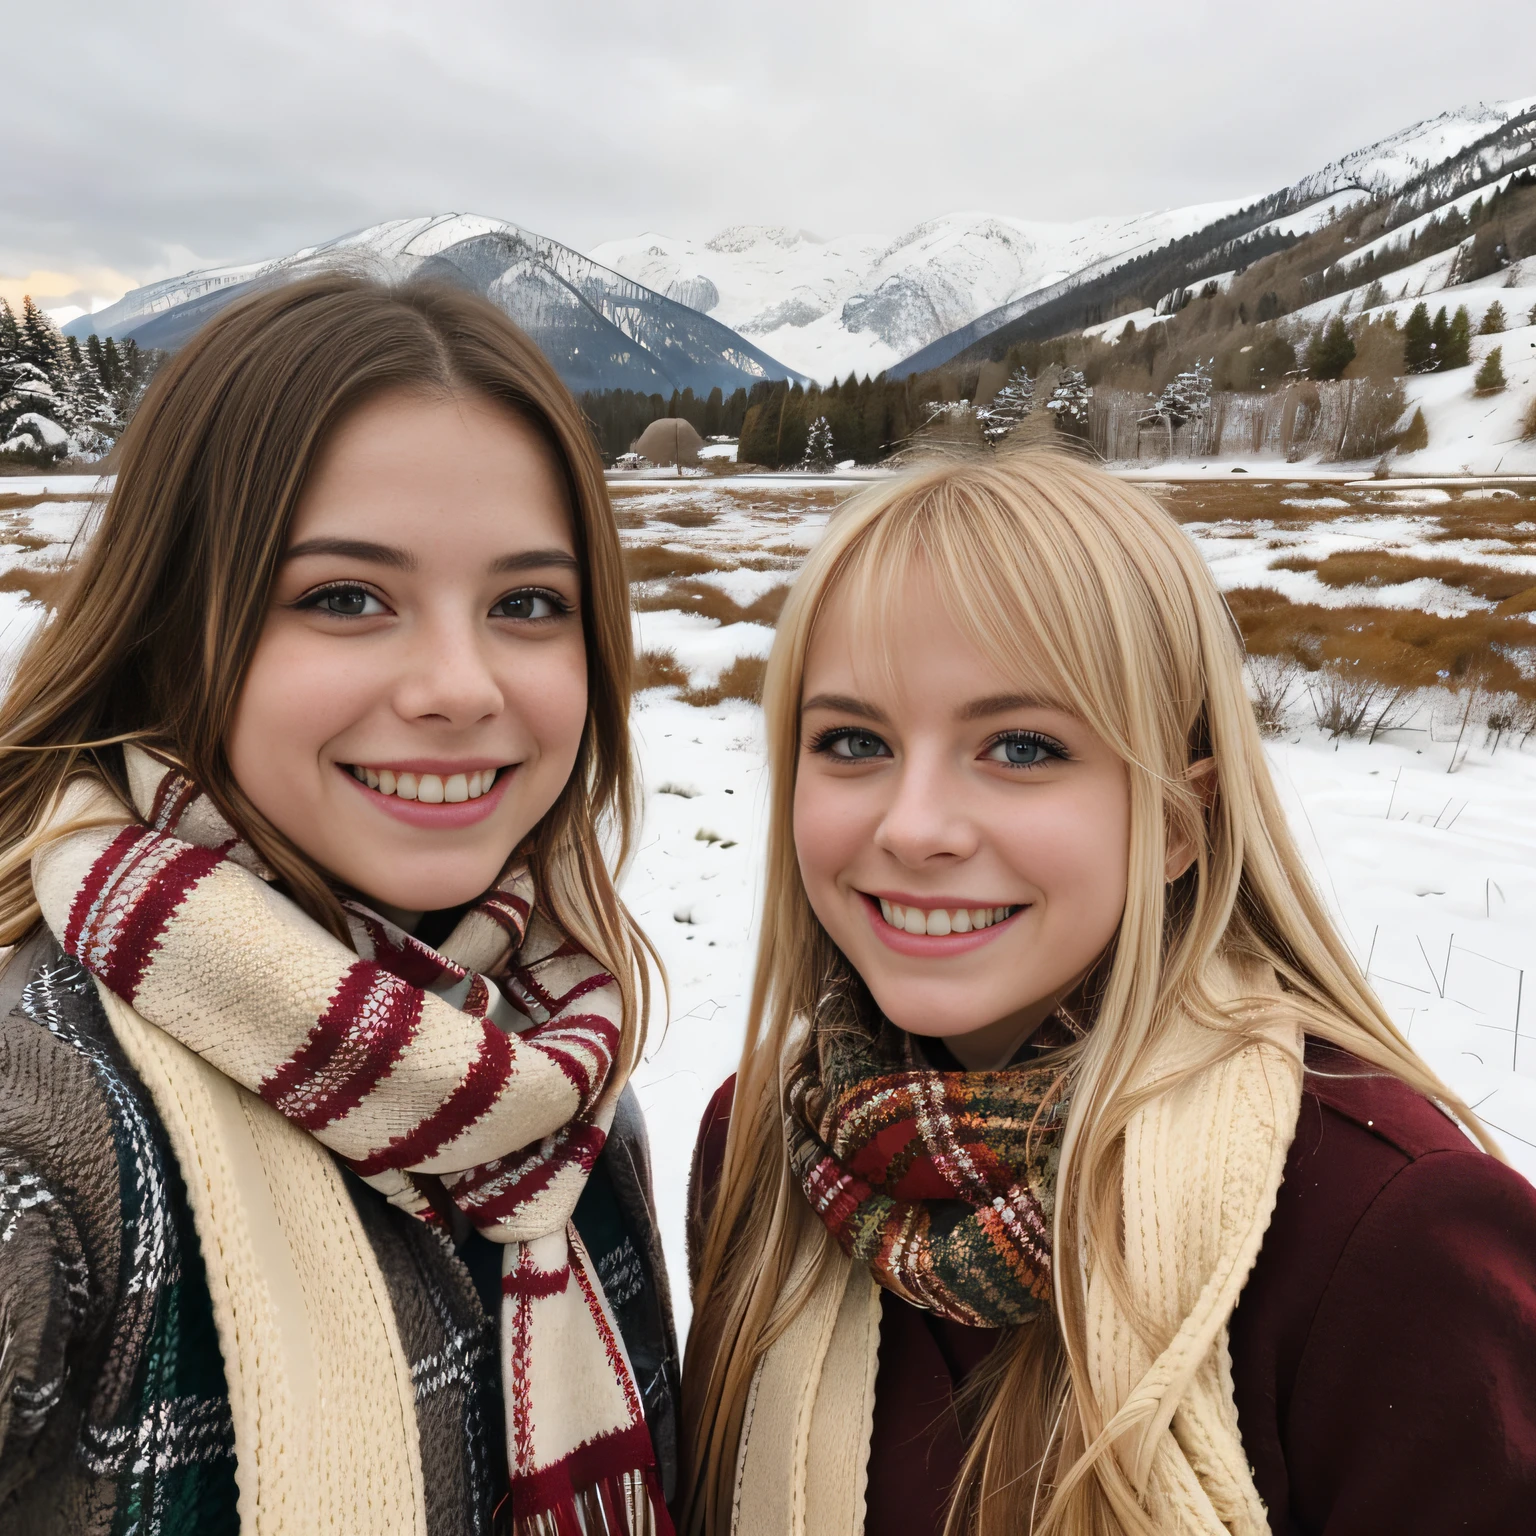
{"points": [[312, 600], [825, 740]]}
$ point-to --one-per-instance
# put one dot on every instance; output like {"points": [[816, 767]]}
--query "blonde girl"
{"points": [[1073, 1179], [321, 1204]]}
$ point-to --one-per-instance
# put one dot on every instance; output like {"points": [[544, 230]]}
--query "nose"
{"points": [[447, 676], [928, 817]]}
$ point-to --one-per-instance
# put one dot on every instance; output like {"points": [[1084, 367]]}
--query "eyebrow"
{"points": [[1001, 704], [404, 560], [843, 704]]}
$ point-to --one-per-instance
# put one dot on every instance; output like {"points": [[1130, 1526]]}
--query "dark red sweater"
{"points": [[1383, 1350]]}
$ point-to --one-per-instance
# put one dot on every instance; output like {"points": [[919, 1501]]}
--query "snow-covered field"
{"points": [[1431, 873]]}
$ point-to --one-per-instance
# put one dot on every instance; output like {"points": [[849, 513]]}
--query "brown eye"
{"points": [[345, 602], [527, 605]]}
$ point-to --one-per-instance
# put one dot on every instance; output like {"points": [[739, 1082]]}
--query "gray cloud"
{"points": [[176, 132]]}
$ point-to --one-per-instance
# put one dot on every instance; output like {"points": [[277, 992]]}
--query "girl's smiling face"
{"points": [[418, 693], [965, 844]]}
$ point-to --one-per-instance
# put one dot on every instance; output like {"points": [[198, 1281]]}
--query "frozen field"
{"points": [[1431, 873]]}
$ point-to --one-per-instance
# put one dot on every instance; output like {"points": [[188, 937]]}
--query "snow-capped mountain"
{"points": [[866, 304], [860, 303], [601, 330]]}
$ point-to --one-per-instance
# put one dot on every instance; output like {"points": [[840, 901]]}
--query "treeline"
{"points": [[59, 399], [1504, 226], [868, 418], [618, 416]]}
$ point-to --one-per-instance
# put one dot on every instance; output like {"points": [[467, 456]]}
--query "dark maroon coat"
{"points": [[1383, 1350]]}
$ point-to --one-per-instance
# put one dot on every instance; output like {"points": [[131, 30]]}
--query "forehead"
{"points": [[432, 467], [906, 642]]}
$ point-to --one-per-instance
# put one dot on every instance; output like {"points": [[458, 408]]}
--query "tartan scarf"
{"points": [[944, 1183], [482, 1071]]}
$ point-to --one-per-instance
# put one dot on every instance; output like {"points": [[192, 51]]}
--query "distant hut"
{"points": [[671, 440]]}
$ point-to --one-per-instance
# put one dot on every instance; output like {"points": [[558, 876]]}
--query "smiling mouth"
{"points": [[427, 788], [940, 922]]}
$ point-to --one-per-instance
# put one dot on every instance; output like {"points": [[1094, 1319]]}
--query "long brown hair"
{"points": [[1084, 587], [157, 623]]}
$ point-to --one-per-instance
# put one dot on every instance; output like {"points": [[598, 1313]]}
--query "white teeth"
{"points": [[430, 788], [939, 922]]}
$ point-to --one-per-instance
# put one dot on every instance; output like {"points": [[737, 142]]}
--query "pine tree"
{"points": [[1493, 321], [1330, 351], [1418, 341], [1458, 349], [1187, 398], [1490, 377], [1417, 435], [41, 343], [1440, 340], [1009, 406], [819, 454]]}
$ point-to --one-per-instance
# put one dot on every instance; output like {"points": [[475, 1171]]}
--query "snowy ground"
{"points": [[1430, 873]]}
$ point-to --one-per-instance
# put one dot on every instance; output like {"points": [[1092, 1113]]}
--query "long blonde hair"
{"points": [[158, 620], [1083, 585]]}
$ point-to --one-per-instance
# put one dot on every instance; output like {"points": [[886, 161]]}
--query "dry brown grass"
{"points": [[629, 517], [1382, 568], [705, 598], [40, 585], [653, 562], [1401, 648], [658, 669], [687, 517], [18, 501], [743, 679]]}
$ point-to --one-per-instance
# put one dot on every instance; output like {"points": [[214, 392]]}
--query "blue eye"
{"points": [[528, 605], [850, 745], [1020, 750], [345, 602]]}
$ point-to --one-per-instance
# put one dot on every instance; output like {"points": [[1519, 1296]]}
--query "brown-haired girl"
{"points": [[1075, 1180], [322, 1206]]}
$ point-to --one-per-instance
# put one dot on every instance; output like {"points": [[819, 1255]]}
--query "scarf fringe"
{"points": [[623, 1504]]}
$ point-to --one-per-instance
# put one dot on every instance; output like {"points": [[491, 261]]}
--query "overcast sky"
{"points": [[143, 139]]}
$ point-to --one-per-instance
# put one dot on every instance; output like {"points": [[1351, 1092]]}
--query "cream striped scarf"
{"points": [[488, 1065]]}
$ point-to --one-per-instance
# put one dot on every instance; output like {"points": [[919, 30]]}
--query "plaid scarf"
{"points": [[483, 1072], [942, 1182]]}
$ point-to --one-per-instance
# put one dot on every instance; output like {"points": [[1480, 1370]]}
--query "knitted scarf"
{"points": [[483, 1072], [942, 1182]]}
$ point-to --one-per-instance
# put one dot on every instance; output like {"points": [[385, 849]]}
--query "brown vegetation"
{"points": [[39, 584], [1402, 648], [658, 562], [705, 598], [1382, 568], [743, 679], [658, 669]]}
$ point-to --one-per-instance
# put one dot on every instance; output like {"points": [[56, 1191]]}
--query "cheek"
{"points": [[290, 704], [824, 832], [546, 689], [1078, 854]]}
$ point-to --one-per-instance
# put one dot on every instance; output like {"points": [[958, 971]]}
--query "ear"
{"points": [[1201, 777]]}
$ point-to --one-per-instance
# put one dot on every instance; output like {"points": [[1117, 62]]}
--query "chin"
{"points": [[432, 892]]}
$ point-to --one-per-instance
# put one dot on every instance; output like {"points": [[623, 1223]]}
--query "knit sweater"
{"points": [[1381, 1348], [114, 1413]]}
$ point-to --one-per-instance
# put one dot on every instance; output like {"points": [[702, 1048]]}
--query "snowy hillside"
{"points": [[859, 303], [600, 329]]}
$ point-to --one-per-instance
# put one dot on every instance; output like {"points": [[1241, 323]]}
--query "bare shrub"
{"points": [[658, 669], [1509, 715], [1528, 424], [1392, 711], [1273, 680], [1341, 701], [742, 679]]}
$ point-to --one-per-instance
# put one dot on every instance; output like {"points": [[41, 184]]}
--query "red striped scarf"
{"points": [[487, 1064]]}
